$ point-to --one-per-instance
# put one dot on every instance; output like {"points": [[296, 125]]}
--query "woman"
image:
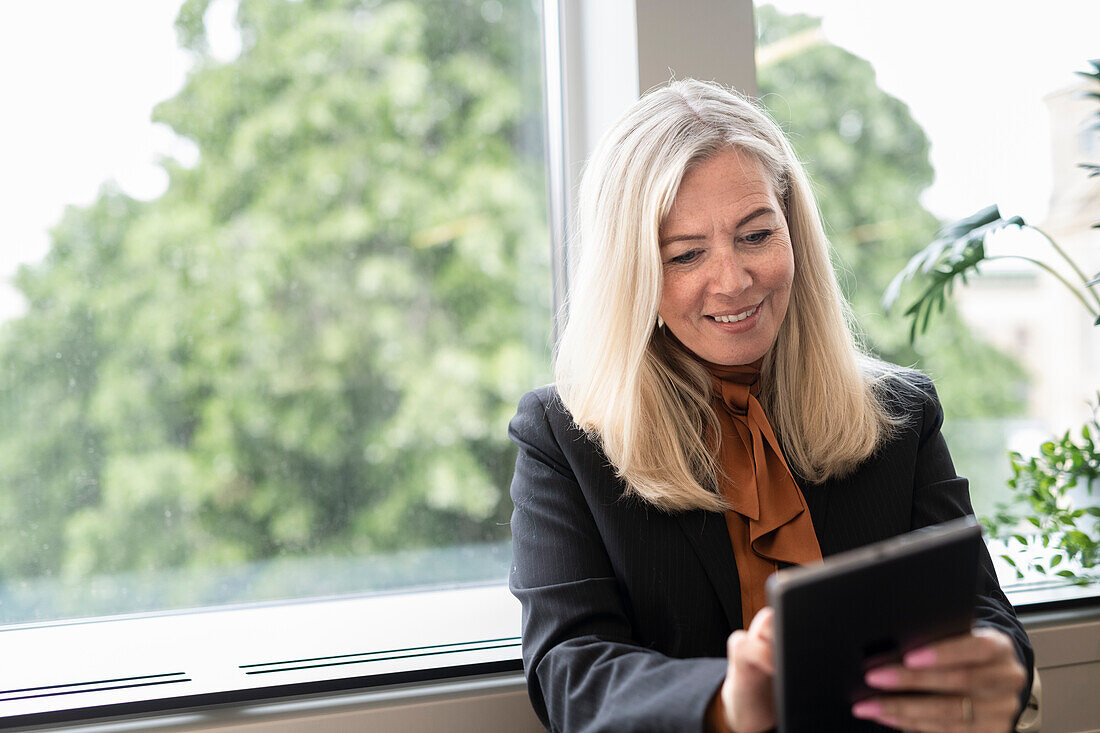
{"points": [[713, 420]]}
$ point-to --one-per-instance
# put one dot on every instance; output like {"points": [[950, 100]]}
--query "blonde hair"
{"points": [[624, 380]]}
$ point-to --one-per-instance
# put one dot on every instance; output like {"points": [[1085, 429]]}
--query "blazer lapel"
{"points": [[711, 542], [817, 499]]}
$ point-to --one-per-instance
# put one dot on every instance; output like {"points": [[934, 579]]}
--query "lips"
{"points": [[734, 318]]}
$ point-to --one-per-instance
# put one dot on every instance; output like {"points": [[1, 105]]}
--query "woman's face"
{"points": [[727, 261]]}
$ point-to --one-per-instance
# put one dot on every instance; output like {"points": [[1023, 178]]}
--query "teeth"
{"points": [[734, 319]]}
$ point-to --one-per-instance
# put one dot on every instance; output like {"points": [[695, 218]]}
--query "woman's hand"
{"points": [[975, 680], [745, 703]]}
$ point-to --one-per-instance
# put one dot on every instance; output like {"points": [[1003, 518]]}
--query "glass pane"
{"points": [[910, 118], [275, 275]]}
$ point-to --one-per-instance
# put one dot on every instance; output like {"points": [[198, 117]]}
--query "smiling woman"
{"points": [[712, 422], [614, 372]]}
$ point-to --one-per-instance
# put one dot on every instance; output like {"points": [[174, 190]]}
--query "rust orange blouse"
{"points": [[768, 521]]}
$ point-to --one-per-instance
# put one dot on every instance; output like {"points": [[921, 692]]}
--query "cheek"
{"points": [[781, 279], [782, 274], [676, 292]]}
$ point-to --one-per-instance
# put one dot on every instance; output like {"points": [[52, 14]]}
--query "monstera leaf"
{"points": [[955, 253]]}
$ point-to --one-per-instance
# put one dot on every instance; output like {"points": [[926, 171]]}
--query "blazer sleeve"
{"points": [[939, 495], [585, 669]]}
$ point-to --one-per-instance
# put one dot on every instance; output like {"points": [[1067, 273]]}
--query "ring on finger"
{"points": [[967, 709]]}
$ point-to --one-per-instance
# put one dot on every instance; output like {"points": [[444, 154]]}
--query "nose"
{"points": [[731, 275]]}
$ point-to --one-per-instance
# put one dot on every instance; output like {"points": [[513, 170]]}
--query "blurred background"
{"points": [[274, 274]]}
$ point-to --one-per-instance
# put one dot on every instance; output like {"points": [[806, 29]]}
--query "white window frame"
{"points": [[600, 55], [437, 650]]}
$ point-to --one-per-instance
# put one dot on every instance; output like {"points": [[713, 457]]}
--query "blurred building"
{"points": [[1026, 311]]}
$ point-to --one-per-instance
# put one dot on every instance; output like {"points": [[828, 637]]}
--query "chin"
{"points": [[739, 356]]}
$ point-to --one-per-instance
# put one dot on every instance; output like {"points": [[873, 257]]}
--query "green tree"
{"points": [[312, 342], [869, 162]]}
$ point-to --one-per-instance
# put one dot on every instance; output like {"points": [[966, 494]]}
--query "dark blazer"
{"points": [[626, 609]]}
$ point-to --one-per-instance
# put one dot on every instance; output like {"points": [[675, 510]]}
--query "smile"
{"points": [[736, 318]]}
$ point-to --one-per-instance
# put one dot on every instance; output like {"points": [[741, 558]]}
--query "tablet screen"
{"points": [[856, 610]]}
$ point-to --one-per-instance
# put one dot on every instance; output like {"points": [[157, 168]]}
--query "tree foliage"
{"points": [[869, 162], [312, 342]]}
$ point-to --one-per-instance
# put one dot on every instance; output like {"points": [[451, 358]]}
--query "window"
{"points": [[910, 119], [277, 367], [269, 347], [432, 196], [281, 273]]}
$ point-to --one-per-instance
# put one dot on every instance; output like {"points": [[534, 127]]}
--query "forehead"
{"points": [[728, 182]]}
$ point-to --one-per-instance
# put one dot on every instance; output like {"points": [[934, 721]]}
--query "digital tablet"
{"points": [[837, 619]]}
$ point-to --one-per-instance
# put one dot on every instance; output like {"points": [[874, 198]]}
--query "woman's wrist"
{"points": [[716, 715]]}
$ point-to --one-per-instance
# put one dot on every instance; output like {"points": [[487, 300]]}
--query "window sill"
{"points": [[275, 659], [86, 670], [1052, 595]]}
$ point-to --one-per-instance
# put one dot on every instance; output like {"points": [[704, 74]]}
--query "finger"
{"points": [[937, 712], [763, 624], [746, 650], [986, 680], [747, 689], [937, 709], [979, 646]]}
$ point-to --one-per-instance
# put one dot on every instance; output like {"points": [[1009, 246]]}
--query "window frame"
{"points": [[634, 44]]}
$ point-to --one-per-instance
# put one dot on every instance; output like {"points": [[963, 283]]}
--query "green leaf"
{"points": [[1095, 75], [957, 251], [1056, 560], [1034, 521]]}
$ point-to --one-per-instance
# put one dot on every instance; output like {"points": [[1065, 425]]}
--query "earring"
{"points": [[660, 321]]}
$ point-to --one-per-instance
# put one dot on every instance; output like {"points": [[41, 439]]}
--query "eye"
{"points": [[758, 237], [686, 258]]}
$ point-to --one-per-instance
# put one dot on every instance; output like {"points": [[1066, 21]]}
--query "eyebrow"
{"points": [[763, 210]]}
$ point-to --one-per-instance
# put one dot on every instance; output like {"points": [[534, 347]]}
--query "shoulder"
{"points": [[538, 410], [539, 399], [557, 463], [907, 394], [543, 423]]}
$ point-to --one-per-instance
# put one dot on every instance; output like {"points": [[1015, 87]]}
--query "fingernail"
{"points": [[867, 709], [920, 658], [882, 678]]}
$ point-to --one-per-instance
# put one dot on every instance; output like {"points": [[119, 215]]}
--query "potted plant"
{"points": [[1044, 513]]}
